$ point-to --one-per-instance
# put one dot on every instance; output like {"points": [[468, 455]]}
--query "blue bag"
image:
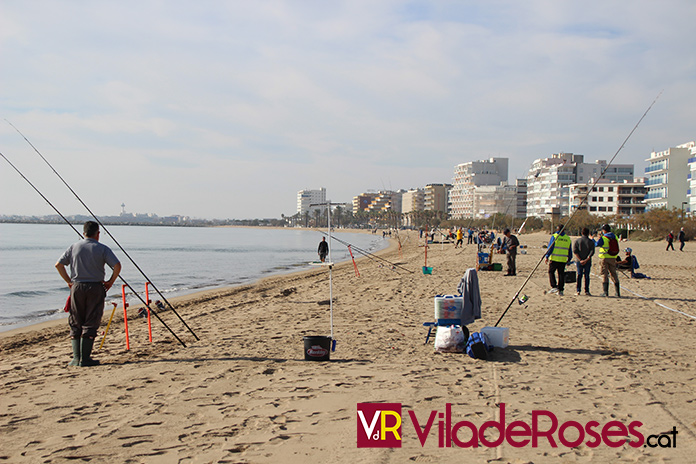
{"points": [[477, 346]]}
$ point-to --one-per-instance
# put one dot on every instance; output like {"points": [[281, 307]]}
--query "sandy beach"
{"points": [[244, 393]]}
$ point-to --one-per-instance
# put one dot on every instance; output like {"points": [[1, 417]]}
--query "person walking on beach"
{"points": [[583, 249], [460, 238], [608, 251], [323, 249], [670, 240], [88, 288], [511, 244], [559, 253], [682, 239]]}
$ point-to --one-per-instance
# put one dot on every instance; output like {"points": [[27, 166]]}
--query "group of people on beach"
{"points": [[670, 240]]}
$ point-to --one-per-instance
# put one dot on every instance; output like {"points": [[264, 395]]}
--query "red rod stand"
{"points": [[125, 314], [355, 266]]}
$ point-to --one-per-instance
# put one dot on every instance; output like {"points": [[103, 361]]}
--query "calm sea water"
{"points": [[178, 260]]}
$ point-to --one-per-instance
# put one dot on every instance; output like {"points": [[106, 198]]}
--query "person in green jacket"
{"points": [[607, 261], [558, 254]]}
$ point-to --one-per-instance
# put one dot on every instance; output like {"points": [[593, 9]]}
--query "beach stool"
{"points": [[444, 323]]}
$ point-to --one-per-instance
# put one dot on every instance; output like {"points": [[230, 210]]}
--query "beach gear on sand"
{"points": [[450, 339], [477, 346]]}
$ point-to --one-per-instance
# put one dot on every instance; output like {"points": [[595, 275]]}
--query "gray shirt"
{"points": [[584, 247], [86, 259]]}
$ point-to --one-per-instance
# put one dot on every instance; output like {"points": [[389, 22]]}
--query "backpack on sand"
{"points": [[477, 346]]}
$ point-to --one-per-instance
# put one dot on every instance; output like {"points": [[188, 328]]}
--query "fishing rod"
{"points": [[105, 229], [80, 235], [366, 253], [589, 190]]}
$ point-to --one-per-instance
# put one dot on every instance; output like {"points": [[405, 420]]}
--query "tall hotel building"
{"points": [[667, 177], [469, 176], [305, 198]]}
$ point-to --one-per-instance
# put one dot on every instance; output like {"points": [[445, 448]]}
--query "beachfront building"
{"points": [[691, 191], [436, 197], [608, 198], [413, 200], [362, 201], [521, 211], [549, 180], [469, 176], [667, 177], [307, 198], [494, 199]]}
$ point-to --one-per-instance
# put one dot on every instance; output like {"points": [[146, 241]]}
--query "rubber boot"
{"points": [[618, 290], [86, 353], [605, 285], [75, 352]]}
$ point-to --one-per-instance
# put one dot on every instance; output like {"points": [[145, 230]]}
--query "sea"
{"points": [[177, 260]]}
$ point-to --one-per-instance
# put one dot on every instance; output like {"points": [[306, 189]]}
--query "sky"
{"points": [[226, 109]]}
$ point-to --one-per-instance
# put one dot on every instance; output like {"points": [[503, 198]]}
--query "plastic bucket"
{"points": [[317, 348]]}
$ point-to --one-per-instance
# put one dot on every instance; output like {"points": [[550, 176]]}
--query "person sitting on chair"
{"points": [[627, 262]]}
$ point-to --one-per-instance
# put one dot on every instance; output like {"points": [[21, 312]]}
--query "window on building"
{"points": [[602, 208], [610, 208], [593, 209], [611, 189], [601, 189]]}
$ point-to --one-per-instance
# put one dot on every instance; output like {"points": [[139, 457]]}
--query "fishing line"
{"points": [[105, 230], [563, 227], [365, 253], [80, 235]]}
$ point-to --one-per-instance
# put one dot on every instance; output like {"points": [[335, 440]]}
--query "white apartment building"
{"points": [[436, 197], [608, 198], [494, 199], [305, 198], [521, 211], [691, 191], [667, 177], [467, 176], [549, 180], [412, 200]]}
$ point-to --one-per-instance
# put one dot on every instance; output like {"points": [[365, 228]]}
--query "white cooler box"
{"points": [[497, 336], [448, 307]]}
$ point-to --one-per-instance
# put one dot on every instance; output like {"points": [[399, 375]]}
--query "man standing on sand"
{"points": [[608, 260], [88, 288], [460, 238], [682, 239], [511, 244], [559, 253], [323, 249], [583, 249]]}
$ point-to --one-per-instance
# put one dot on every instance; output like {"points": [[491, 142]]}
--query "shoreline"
{"points": [[181, 299], [244, 393]]}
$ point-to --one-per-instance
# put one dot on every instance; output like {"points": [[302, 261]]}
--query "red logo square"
{"points": [[379, 425]]}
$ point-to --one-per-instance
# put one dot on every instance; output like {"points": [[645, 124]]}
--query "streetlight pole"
{"points": [[682, 208]]}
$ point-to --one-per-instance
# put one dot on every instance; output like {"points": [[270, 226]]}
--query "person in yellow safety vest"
{"points": [[608, 261], [558, 254]]}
